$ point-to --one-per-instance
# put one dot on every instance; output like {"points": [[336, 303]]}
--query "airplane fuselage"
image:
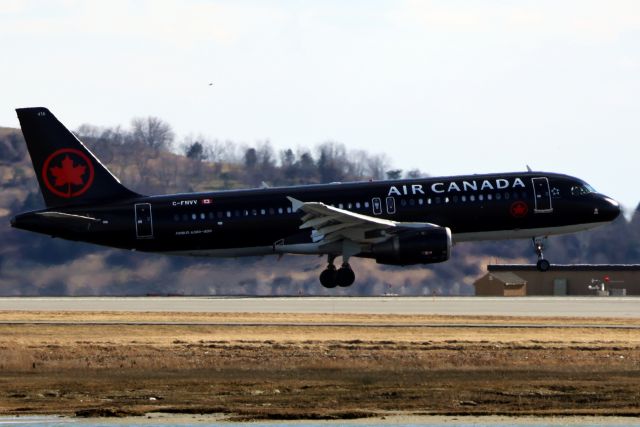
{"points": [[262, 221]]}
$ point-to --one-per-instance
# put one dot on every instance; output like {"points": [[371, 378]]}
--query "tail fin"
{"points": [[68, 173]]}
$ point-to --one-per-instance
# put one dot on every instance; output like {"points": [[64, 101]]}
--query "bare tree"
{"points": [[357, 165], [378, 165], [153, 132]]}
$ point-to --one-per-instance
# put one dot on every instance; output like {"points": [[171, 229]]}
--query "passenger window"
{"points": [[228, 214], [280, 210], [366, 205], [472, 198], [349, 206], [498, 196], [463, 198], [262, 212], [455, 199], [489, 197], [507, 196], [271, 211], [220, 214], [403, 202], [289, 210], [480, 197], [412, 202], [357, 205], [446, 200], [203, 216], [176, 217], [254, 212], [420, 202], [437, 200]]}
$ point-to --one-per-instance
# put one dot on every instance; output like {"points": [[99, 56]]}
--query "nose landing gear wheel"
{"points": [[345, 276], [542, 264]]}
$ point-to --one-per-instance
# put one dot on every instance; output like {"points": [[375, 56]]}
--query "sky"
{"points": [[448, 87]]}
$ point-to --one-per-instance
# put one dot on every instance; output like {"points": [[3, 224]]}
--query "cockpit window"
{"points": [[581, 190]]}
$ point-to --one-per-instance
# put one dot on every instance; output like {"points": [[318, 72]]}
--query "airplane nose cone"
{"points": [[610, 209]]}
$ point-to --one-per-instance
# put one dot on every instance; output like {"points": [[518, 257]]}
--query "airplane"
{"points": [[396, 222]]}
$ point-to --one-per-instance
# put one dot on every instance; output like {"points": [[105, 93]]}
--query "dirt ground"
{"points": [[288, 366]]}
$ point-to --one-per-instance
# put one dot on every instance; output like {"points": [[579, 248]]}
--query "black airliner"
{"points": [[398, 222]]}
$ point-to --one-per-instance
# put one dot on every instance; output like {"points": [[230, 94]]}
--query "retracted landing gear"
{"points": [[332, 277], [538, 244]]}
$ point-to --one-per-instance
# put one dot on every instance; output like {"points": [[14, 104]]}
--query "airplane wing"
{"points": [[330, 224]]}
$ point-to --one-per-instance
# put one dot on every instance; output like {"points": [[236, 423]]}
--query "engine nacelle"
{"points": [[421, 246]]}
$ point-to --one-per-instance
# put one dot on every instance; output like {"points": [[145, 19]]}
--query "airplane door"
{"points": [[391, 205], [144, 221], [542, 195], [377, 206]]}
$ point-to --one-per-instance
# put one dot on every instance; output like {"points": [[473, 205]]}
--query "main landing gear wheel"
{"points": [[542, 264], [332, 277], [345, 276], [328, 276]]}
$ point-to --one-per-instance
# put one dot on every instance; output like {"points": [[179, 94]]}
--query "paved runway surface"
{"points": [[628, 307]]}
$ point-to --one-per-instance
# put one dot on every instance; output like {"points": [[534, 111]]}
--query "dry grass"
{"points": [[213, 317], [309, 370]]}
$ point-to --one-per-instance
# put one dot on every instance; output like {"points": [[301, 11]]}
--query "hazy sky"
{"points": [[450, 87]]}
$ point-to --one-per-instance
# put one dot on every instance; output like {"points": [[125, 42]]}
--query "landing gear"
{"points": [[328, 277], [329, 274], [345, 276], [332, 277], [542, 264]]}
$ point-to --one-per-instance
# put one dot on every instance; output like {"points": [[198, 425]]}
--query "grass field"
{"points": [[287, 366]]}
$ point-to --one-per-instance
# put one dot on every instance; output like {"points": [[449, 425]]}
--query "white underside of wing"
{"points": [[330, 224]]}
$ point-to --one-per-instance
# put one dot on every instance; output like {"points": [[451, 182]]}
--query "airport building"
{"points": [[560, 280]]}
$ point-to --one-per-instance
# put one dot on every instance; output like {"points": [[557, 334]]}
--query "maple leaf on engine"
{"points": [[68, 173]]}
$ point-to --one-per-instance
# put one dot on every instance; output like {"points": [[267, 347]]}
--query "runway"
{"points": [[575, 307]]}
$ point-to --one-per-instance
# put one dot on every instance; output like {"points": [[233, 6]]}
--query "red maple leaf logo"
{"points": [[519, 209], [73, 172], [68, 174]]}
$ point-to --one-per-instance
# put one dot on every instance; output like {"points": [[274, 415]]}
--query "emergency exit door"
{"points": [[144, 221]]}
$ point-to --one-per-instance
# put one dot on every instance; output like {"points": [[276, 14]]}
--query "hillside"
{"points": [[31, 264]]}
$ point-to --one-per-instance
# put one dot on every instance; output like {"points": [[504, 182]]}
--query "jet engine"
{"points": [[421, 246]]}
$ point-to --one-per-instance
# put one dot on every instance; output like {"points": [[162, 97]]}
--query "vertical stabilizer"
{"points": [[68, 173]]}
